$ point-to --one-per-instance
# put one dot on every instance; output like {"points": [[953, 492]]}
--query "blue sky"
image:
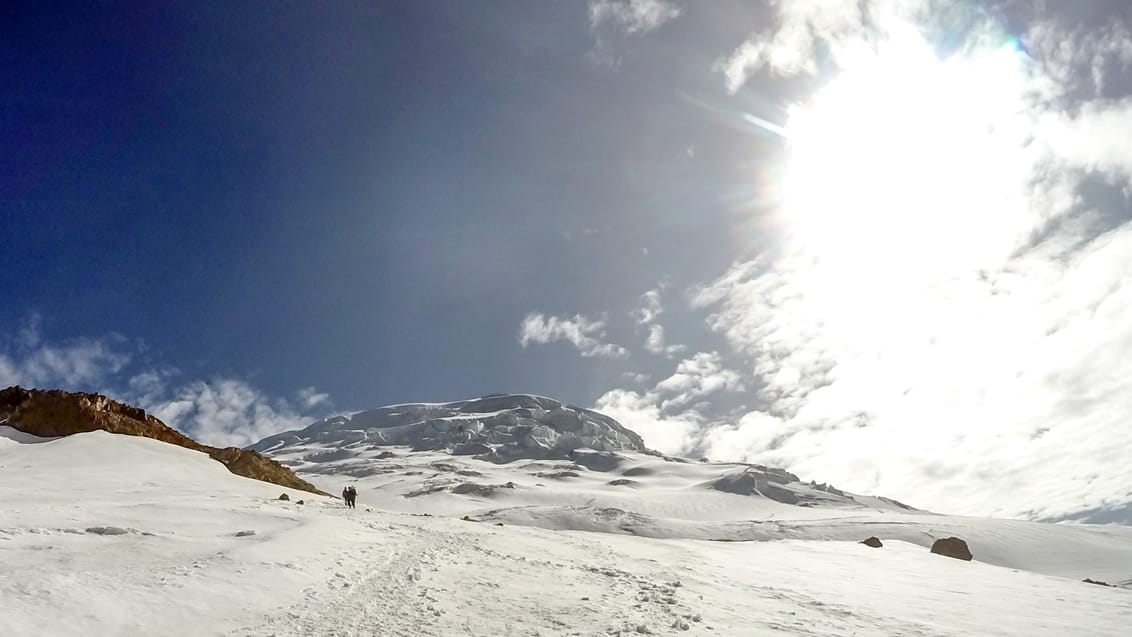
{"points": [[362, 198], [882, 244]]}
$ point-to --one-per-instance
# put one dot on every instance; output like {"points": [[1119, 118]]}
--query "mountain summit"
{"points": [[504, 448], [498, 427]]}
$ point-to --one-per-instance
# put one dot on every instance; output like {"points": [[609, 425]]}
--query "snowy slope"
{"points": [[411, 566], [664, 498]]}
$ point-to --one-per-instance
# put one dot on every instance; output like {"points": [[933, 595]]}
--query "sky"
{"points": [[881, 243]]}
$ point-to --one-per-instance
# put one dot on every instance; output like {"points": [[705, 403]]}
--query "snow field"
{"points": [[112, 535]]}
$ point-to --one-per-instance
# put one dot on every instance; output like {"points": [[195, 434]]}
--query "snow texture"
{"points": [[197, 550]]}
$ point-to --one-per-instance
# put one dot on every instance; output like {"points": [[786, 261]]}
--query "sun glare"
{"points": [[908, 164]]}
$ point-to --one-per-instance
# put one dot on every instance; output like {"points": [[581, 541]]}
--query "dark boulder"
{"points": [[597, 460], [873, 542], [480, 490], [952, 547], [471, 449]]}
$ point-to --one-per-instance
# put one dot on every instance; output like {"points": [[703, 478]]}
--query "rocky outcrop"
{"points": [[784, 487], [597, 460], [873, 542], [760, 480], [480, 490], [58, 413], [952, 547]]}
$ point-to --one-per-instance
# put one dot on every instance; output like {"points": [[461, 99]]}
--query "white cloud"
{"points": [[639, 412], [791, 47], [1004, 397], [971, 350], [1079, 59], [655, 341], [226, 412], [650, 309], [613, 21], [666, 416], [633, 17], [78, 363], [310, 397], [222, 411], [1095, 138], [584, 333], [694, 379], [28, 334], [636, 378], [647, 315]]}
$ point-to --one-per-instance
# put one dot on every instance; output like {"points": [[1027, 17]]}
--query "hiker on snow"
{"points": [[350, 495]]}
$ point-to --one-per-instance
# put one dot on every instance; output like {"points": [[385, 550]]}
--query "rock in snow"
{"points": [[952, 547]]}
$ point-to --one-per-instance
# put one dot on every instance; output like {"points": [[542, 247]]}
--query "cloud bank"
{"points": [[27, 359], [220, 411], [947, 328]]}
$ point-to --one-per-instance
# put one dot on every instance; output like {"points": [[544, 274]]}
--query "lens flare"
{"points": [[909, 165]]}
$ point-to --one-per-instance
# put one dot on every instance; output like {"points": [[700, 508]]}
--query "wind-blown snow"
{"points": [[115, 535]]}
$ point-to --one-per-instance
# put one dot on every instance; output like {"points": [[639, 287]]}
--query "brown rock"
{"points": [[952, 547], [58, 413], [284, 497], [873, 542]]}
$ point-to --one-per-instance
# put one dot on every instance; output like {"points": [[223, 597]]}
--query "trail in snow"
{"points": [[441, 577], [481, 580], [207, 553], [371, 589]]}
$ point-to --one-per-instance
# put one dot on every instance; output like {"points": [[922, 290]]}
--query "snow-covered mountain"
{"points": [[500, 428], [562, 523], [528, 434]]}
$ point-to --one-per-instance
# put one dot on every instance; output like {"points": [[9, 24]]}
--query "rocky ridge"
{"points": [[53, 413]]}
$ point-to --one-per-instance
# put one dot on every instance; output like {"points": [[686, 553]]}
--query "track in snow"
{"points": [[464, 579]]}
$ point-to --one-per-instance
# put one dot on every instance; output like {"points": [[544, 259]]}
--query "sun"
{"points": [[909, 164]]}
